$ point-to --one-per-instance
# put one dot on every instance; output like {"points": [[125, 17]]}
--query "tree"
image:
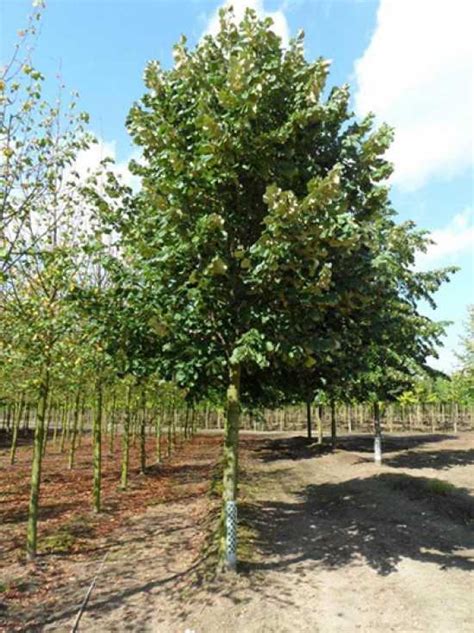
{"points": [[38, 144], [261, 219], [466, 357]]}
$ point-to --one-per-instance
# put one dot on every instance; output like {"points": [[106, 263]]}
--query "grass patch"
{"points": [[440, 487], [418, 487]]}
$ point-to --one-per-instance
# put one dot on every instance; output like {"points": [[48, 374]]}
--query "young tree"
{"points": [[465, 377], [38, 143]]}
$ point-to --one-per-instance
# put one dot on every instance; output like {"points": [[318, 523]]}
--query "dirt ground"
{"points": [[140, 529], [329, 543]]}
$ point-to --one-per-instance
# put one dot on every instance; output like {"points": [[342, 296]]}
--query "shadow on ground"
{"points": [[440, 460], [391, 443], [296, 447], [380, 519], [300, 447]]}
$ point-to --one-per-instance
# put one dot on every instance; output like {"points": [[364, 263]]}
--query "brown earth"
{"points": [[73, 540], [329, 543]]}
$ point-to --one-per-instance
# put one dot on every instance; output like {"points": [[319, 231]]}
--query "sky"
{"points": [[408, 61]]}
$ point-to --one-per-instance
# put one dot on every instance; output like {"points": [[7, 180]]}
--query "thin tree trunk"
{"points": [[72, 447], [159, 416], [377, 435], [8, 418], [175, 426], [16, 427], [228, 544], [26, 422], [333, 425], [126, 441], [97, 439], [171, 414], [320, 424], [309, 425], [81, 421], [143, 432], [64, 427], [46, 430], [112, 427], [186, 422], [32, 529], [55, 427]]}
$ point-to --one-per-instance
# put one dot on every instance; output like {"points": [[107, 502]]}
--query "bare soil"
{"points": [[141, 528], [329, 542]]}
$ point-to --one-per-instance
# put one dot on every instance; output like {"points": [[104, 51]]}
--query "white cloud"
{"points": [[450, 242], [280, 24], [88, 161], [417, 75]]}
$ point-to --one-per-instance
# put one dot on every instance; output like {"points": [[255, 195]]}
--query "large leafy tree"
{"points": [[263, 231]]}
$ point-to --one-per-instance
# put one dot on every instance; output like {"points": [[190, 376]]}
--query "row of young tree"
{"points": [[259, 264]]}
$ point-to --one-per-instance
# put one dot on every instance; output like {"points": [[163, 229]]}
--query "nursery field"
{"points": [[328, 541], [225, 406]]}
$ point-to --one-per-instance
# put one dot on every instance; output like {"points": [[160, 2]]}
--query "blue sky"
{"points": [[410, 61]]}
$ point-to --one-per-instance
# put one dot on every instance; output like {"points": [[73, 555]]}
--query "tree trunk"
{"points": [[143, 433], [112, 425], [186, 423], [126, 441], [75, 420], [97, 439], [57, 420], [16, 427], [64, 427], [32, 529], [174, 427], [159, 415], [171, 414], [309, 425], [377, 435], [333, 425], [46, 427], [26, 422], [8, 417], [320, 424], [228, 544]]}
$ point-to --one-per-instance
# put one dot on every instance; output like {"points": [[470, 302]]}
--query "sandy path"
{"points": [[345, 546]]}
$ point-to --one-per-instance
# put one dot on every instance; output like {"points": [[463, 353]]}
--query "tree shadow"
{"points": [[391, 443], [295, 447], [25, 438], [45, 511], [439, 460], [381, 520]]}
